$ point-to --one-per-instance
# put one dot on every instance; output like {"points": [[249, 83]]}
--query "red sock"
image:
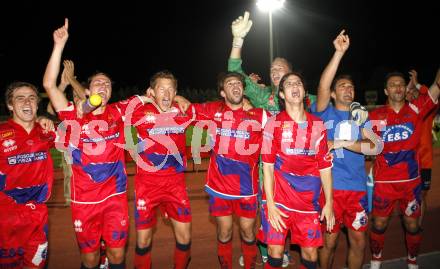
{"points": [[182, 254], [249, 250], [224, 251], [377, 241], [413, 241], [142, 258]]}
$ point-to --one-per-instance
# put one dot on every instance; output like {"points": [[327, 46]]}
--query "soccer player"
{"points": [[396, 169], [260, 96], [26, 177], [296, 168], [99, 180], [232, 178], [350, 140], [425, 147], [160, 180]]}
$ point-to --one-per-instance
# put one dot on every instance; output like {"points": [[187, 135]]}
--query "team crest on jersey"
{"points": [[7, 134], [78, 226]]}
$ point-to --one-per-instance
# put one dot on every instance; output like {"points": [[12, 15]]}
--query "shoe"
{"points": [[104, 265], [241, 261], [375, 264], [286, 260], [413, 266]]}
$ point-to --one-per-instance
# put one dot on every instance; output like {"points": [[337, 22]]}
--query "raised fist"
{"points": [[358, 113]]}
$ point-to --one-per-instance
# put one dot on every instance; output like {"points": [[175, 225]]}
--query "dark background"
{"points": [[131, 40]]}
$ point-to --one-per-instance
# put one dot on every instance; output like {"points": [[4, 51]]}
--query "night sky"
{"points": [[193, 39]]}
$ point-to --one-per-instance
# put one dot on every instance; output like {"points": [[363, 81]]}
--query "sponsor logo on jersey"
{"points": [[299, 151], [218, 116], [166, 130], [233, 133], [27, 158], [9, 145], [100, 139], [286, 135], [149, 117], [7, 134], [398, 132]]}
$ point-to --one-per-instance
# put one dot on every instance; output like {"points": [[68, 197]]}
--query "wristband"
{"points": [[237, 42]]}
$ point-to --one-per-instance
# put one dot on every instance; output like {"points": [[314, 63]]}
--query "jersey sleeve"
{"points": [[205, 111], [424, 103], [128, 106], [323, 157], [67, 113]]}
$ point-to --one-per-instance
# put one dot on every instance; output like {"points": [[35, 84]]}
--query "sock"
{"points": [[413, 241], [224, 250], [305, 264], [142, 258], [249, 250], [263, 248], [116, 266], [273, 262], [182, 255], [377, 241]]}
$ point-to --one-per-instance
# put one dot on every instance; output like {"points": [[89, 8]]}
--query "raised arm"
{"points": [[434, 90], [69, 69], [56, 96], [341, 44], [240, 27]]}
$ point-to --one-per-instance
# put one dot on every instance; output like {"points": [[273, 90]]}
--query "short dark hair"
{"points": [[10, 89], [393, 74], [281, 101], [96, 73], [339, 77], [163, 74], [225, 75]]}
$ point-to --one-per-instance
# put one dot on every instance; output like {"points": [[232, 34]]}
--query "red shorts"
{"points": [[23, 236], [305, 229], [169, 194], [350, 209], [407, 193], [243, 207], [107, 220]]}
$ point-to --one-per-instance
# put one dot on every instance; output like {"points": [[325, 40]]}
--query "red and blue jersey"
{"points": [[298, 151], [400, 132], [26, 169], [237, 135], [96, 143], [161, 140]]}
